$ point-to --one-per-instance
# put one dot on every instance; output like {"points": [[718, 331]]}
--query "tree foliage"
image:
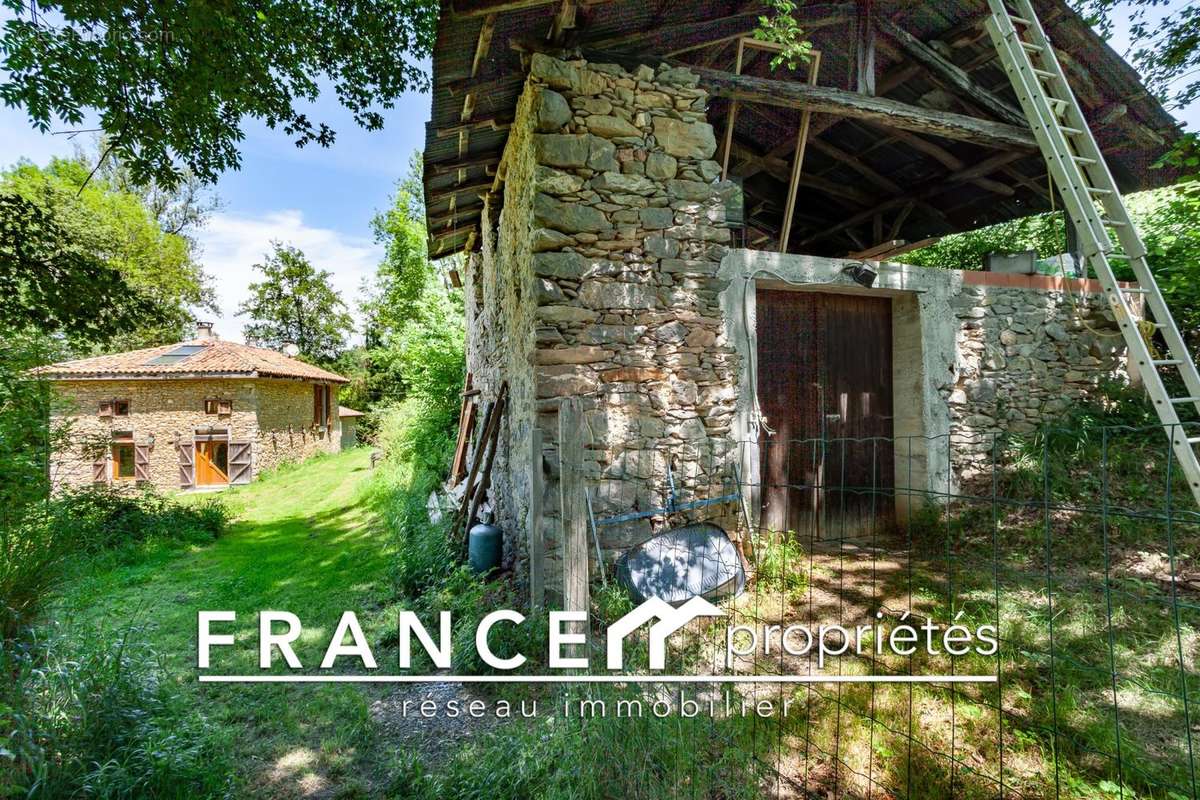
{"points": [[97, 230], [173, 82], [294, 304], [413, 324], [1164, 42], [52, 284]]}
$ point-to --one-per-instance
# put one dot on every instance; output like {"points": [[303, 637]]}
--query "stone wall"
{"points": [[1024, 355], [173, 409], [607, 274], [598, 280], [285, 432]]}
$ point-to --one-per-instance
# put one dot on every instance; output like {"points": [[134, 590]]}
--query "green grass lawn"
{"points": [[304, 539]]}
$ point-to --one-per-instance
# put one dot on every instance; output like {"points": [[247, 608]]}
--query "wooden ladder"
{"points": [[1091, 197]]}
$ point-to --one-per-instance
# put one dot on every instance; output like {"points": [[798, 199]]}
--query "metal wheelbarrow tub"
{"points": [[682, 563]]}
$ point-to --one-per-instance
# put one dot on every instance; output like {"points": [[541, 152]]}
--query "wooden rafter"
{"points": [[454, 165], [822, 99], [495, 123], [949, 74], [952, 162], [687, 36], [856, 164], [454, 191]]}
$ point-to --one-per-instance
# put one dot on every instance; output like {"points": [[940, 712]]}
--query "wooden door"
{"points": [[212, 463], [825, 388]]}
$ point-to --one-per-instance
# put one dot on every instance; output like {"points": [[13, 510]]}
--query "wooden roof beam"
{"points": [[954, 163], [686, 36], [948, 73], [454, 165], [454, 191], [882, 111], [856, 164], [495, 123], [480, 8]]}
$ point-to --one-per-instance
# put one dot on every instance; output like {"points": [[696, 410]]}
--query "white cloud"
{"points": [[233, 244]]}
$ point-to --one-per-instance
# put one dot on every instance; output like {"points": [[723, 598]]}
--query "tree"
{"points": [[414, 331], [52, 284], [176, 80], [1164, 47], [402, 277], [118, 229], [294, 304]]}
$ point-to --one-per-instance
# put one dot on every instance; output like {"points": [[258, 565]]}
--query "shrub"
{"points": [[99, 519], [780, 564], [31, 560], [34, 551], [98, 718]]}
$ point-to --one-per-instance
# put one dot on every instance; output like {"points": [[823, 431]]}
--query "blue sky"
{"points": [[320, 200]]}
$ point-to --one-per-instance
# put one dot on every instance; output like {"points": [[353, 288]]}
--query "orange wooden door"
{"points": [[212, 463]]}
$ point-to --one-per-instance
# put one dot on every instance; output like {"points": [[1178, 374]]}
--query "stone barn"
{"points": [[696, 245], [204, 413]]}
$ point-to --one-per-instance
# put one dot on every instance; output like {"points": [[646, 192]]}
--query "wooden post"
{"points": [[537, 544], [574, 511], [731, 117], [865, 48], [814, 66]]}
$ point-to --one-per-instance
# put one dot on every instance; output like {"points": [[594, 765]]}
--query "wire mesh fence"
{"points": [[1076, 545]]}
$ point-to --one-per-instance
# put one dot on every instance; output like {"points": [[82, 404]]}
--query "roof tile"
{"points": [[217, 359]]}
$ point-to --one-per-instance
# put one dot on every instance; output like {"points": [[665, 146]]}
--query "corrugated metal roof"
{"points": [[1105, 85]]}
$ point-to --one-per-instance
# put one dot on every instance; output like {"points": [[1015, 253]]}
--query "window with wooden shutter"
{"points": [[100, 470], [106, 408], [217, 405], [120, 408], [240, 462], [187, 463], [321, 409], [141, 463]]}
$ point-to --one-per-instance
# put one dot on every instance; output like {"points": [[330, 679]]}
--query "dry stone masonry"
{"points": [[605, 272]]}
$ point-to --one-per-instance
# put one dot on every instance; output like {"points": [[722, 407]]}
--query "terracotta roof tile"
{"points": [[216, 358]]}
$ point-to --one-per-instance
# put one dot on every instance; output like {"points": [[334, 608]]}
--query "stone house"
{"points": [[696, 246], [200, 413]]}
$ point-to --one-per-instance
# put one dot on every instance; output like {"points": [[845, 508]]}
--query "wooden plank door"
{"points": [[212, 463], [825, 388]]}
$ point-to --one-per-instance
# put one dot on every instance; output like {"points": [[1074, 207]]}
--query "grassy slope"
{"points": [[302, 541]]}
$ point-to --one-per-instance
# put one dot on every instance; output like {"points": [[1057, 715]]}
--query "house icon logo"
{"points": [[670, 619]]}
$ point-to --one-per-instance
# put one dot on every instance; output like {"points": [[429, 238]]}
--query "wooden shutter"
{"points": [[106, 408], [100, 470], [141, 463], [316, 404], [187, 464], [239, 462], [328, 407]]}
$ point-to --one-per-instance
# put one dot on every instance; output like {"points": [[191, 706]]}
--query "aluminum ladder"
{"points": [[1091, 197]]}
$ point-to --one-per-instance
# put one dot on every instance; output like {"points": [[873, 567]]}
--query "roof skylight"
{"points": [[181, 353]]}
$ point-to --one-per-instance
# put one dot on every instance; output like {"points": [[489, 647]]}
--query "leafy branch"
{"points": [[782, 29]]}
